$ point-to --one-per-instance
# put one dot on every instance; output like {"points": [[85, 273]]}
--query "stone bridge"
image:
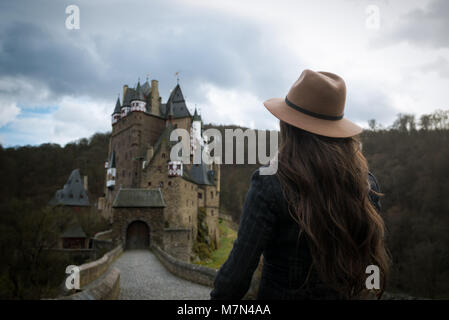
{"points": [[142, 276]]}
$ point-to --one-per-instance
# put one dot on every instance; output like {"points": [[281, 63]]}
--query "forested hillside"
{"points": [[410, 160], [36, 173]]}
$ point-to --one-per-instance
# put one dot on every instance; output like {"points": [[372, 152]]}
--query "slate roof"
{"points": [[73, 193], [138, 93], [175, 104], [146, 89], [117, 106], [200, 174], [178, 104], [196, 116], [139, 198], [129, 95], [74, 231]]}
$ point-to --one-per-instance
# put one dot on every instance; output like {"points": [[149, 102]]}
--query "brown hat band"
{"points": [[311, 113]]}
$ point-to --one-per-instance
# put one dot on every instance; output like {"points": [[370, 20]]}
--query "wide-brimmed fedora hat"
{"points": [[315, 103]]}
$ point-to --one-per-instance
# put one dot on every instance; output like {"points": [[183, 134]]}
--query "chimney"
{"points": [[125, 87], [155, 99], [85, 184]]}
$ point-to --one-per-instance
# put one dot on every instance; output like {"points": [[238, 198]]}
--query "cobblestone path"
{"points": [[142, 276]]}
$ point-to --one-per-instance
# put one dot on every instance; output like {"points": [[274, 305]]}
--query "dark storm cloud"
{"points": [[118, 42], [32, 52], [427, 26]]}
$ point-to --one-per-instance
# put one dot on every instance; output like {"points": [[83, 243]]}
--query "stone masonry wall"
{"points": [[179, 194], [129, 139], [153, 217], [212, 198], [178, 243]]}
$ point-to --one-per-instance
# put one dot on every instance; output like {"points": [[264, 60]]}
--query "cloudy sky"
{"points": [[58, 85]]}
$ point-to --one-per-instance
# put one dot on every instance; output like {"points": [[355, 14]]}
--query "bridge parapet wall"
{"points": [[192, 272], [91, 271], [200, 274], [107, 288], [97, 280], [104, 235]]}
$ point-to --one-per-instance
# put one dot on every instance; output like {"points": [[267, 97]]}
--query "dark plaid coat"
{"points": [[267, 227]]}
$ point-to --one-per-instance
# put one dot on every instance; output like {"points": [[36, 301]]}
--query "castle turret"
{"points": [[138, 100], [116, 114], [195, 133], [128, 94]]}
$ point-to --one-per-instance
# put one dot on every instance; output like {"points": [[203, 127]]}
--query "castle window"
{"points": [[200, 195], [149, 183], [187, 203], [123, 173], [169, 183], [212, 213], [163, 155], [135, 173], [161, 184], [211, 195]]}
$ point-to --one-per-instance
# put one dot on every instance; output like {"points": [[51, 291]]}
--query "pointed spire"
{"points": [[117, 106], [196, 116], [139, 93]]}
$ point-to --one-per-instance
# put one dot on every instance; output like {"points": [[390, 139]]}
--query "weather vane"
{"points": [[177, 77]]}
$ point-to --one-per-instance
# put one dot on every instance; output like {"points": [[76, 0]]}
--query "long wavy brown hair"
{"points": [[325, 182]]}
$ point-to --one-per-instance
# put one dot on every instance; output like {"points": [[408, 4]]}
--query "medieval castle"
{"points": [[149, 199]]}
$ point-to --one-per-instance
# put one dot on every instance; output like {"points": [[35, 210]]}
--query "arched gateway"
{"points": [[137, 235]]}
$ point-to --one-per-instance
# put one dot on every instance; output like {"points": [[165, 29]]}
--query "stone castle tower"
{"points": [[149, 199]]}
